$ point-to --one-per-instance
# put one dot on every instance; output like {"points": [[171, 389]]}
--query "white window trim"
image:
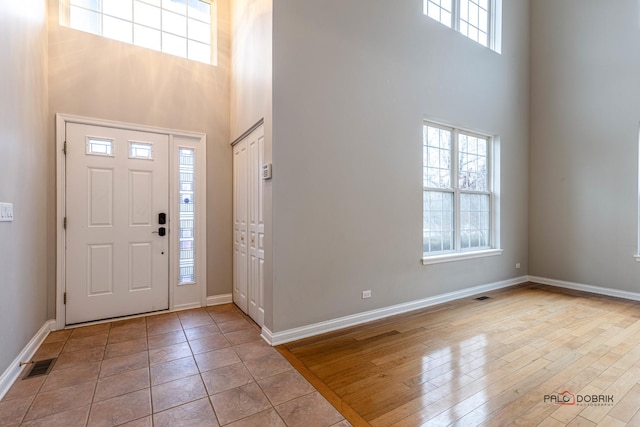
{"points": [[493, 160], [460, 256], [64, 20], [637, 254], [494, 30]]}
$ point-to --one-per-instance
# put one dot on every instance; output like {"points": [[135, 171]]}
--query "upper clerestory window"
{"points": [[480, 20], [184, 28]]}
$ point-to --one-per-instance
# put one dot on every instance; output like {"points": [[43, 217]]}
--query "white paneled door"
{"points": [[256, 226], [240, 225], [117, 213], [248, 225]]}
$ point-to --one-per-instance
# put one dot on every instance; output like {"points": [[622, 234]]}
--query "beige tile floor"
{"points": [[203, 367]]}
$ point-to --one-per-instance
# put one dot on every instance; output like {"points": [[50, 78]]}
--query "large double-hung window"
{"points": [[178, 27], [458, 201]]}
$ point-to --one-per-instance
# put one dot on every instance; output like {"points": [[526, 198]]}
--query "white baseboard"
{"points": [[267, 335], [219, 299], [13, 371], [187, 306], [634, 296], [294, 334]]}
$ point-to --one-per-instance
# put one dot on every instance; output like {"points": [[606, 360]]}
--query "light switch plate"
{"points": [[6, 212]]}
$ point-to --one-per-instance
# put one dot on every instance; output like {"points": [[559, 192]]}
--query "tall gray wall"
{"points": [[24, 172], [251, 98], [585, 115], [352, 82]]}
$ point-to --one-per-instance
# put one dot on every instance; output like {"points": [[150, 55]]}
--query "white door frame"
{"points": [[180, 296]]}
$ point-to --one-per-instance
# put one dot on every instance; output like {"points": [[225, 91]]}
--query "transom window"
{"points": [[457, 196], [474, 18], [177, 27]]}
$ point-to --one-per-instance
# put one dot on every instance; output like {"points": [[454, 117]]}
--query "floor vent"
{"points": [[41, 367], [482, 298]]}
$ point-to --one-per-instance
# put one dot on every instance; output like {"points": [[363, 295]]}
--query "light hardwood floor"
{"points": [[487, 363]]}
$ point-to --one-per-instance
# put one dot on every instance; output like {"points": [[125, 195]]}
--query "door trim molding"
{"points": [[201, 213], [248, 132]]}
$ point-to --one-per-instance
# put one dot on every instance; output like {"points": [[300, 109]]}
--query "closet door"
{"points": [[256, 226], [248, 225], [240, 229]]}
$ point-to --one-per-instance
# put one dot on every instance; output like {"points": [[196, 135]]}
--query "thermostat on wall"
{"points": [[266, 171]]}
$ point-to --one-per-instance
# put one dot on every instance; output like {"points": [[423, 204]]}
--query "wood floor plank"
{"points": [[455, 409], [528, 407], [486, 362], [566, 414], [627, 407], [618, 388]]}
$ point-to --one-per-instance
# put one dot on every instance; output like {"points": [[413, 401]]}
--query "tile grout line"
{"points": [[215, 414], [146, 334], [104, 354], [183, 329]]}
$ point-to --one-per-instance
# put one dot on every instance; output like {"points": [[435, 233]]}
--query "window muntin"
{"points": [[177, 27], [457, 194], [440, 10], [473, 18]]}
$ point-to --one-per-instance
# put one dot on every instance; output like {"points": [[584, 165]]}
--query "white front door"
{"points": [[117, 188]]}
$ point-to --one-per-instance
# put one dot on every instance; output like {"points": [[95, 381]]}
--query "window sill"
{"points": [[459, 256], [637, 257]]}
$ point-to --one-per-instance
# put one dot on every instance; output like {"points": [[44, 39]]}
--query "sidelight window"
{"points": [[186, 215]]}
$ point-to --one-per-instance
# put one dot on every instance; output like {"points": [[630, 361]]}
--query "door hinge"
{"points": [[65, 298], [64, 223], [64, 148]]}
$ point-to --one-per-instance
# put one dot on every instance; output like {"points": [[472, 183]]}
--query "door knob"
{"points": [[161, 231]]}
